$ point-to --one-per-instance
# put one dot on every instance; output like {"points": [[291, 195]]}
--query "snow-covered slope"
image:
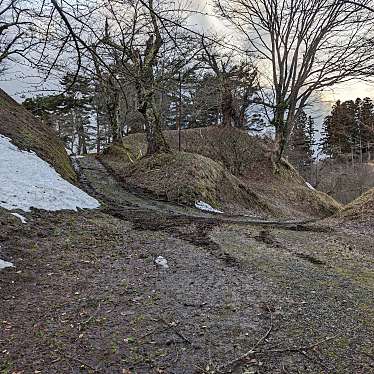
{"points": [[27, 181]]}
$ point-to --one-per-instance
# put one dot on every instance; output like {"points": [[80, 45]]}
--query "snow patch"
{"points": [[22, 218], [27, 181], [161, 261], [206, 207], [310, 186], [5, 264]]}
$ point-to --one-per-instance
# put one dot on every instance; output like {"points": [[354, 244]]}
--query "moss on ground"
{"points": [[316, 298]]}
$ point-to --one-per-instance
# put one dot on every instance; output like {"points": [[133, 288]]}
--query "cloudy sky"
{"points": [[21, 81]]}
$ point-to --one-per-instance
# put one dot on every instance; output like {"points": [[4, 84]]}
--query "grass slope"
{"points": [[361, 209], [224, 167], [185, 178], [28, 133]]}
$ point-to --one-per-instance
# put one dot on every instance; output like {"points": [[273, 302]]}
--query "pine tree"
{"points": [[78, 106], [300, 150], [349, 129], [366, 126]]}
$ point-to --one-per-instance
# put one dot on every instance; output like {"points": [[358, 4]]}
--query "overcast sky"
{"points": [[21, 81]]}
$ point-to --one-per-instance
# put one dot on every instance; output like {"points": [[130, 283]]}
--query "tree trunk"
{"points": [[156, 142], [281, 137], [227, 106], [82, 145], [113, 120], [98, 137]]}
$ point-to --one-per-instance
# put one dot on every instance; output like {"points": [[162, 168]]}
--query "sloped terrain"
{"points": [[27, 181], [28, 133], [228, 168], [298, 299], [361, 209], [185, 178]]}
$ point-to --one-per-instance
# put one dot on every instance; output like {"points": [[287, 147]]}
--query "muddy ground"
{"points": [[86, 296]]}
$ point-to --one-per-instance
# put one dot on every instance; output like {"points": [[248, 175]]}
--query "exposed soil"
{"points": [[86, 295]]}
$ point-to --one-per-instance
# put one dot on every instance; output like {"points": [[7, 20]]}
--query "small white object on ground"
{"points": [[22, 218], [310, 186], [206, 207], [5, 264], [27, 181], [161, 261]]}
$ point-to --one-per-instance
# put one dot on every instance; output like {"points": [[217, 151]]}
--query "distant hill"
{"points": [[29, 133]]}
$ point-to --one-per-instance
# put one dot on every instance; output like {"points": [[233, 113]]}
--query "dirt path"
{"points": [[86, 295], [97, 181]]}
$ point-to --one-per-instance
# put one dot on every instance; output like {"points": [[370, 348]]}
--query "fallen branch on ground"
{"points": [[176, 331], [252, 351]]}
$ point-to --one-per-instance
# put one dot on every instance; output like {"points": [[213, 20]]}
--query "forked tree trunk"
{"points": [[156, 142]]}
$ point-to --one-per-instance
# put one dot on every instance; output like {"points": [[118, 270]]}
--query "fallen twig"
{"points": [[252, 351], [88, 320], [176, 331], [297, 349]]}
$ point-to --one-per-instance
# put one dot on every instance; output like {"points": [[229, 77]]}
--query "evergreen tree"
{"points": [[70, 114], [349, 129], [300, 150]]}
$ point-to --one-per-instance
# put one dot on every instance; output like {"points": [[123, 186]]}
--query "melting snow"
{"points": [[310, 186], [22, 218], [206, 207], [161, 261], [27, 181], [5, 264]]}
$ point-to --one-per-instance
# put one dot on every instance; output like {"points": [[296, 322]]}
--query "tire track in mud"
{"points": [[147, 214]]}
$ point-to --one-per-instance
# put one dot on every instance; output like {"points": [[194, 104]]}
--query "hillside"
{"points": [[224, 167], [213, 250], [28, 133], [35, 170], [360, 210]]}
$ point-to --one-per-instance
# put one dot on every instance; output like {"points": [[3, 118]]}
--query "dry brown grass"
{"points": [[344, 181], [224, 167], [186, 178], [231, 147], [361, 209]]}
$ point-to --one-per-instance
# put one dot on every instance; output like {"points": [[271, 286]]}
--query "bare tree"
{"points": [[134, 39], [233, 75], [306, 46], [15, 29]]}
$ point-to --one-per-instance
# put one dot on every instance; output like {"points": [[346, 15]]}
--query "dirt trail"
{"points": [[97, 181], [86, 295]]}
